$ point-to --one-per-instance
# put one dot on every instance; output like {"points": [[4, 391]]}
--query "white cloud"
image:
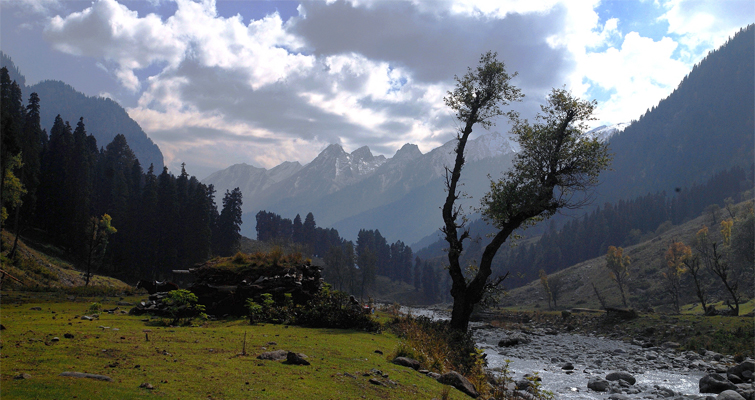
{"points": [[640, 73], [364, 72], [705, 25]]}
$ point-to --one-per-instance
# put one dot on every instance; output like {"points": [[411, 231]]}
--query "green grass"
{"points": [[201, 361]]}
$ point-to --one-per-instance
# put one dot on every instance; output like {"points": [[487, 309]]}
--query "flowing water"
{"points": [[591, 356]]}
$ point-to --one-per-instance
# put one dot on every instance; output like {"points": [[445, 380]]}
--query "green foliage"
{"points": [[94, 308], [328, 309], [182, 306]]}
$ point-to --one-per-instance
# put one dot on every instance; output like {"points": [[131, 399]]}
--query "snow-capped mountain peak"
{"points": [[605, 132]]}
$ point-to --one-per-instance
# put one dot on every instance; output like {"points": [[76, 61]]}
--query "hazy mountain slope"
{"points": [[103, 118]]}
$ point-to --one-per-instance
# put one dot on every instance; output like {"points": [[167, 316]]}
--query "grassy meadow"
{"points": [[190, 362]]}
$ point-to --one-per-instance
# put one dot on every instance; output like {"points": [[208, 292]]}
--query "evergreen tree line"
{"points": [[63, 184], [625, 223], [349, 267]]}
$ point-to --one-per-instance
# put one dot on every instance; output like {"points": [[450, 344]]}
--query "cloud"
{"points": [[214, 90], [110, 31], [705, 25], [639, 74]]}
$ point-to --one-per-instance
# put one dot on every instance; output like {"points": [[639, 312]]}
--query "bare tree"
{"points": [[556, 160]]}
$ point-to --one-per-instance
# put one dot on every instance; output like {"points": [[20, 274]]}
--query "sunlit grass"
{"points": [[186, 362]]}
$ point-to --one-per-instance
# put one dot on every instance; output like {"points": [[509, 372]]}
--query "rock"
{"points": [[747, 375], [68, 336], [36, 308], [406, 362], [277, 355], [296, 358], [513, 340], [729, 395], [619, 396], [740, 368], [87, 318], [715, 383], [146, 385], [22, 375], [567, 366], [621, 375], [2, 327], [733, 378], [433, 375], [86, 375], [55, 339], [598, 384], [670, 345], [458, 381], [665, 392], [378, 352], [376, 382]]}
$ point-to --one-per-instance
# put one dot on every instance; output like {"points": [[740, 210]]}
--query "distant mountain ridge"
{"points": [[103, 118], [351, 191]]}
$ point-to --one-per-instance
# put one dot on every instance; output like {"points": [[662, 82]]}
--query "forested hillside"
{"points": [[105, 118], [97, 204], [703, 127]]}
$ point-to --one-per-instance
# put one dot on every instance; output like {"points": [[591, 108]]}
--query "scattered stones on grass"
{"points": [[36, 308], [146, 385], [68, 335], [22, 375]]}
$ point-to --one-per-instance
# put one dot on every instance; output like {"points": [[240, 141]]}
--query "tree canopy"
{"points": [[556, 161]]}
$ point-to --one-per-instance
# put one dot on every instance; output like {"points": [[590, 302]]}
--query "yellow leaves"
{"points": [[726, 230], [617, 262], [676, 254]]}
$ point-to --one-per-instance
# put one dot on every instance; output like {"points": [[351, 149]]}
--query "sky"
{"points": [[216, 83]]}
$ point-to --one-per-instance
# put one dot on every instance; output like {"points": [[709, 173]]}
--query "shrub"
{"points": [[182, 305], [328, 309]]}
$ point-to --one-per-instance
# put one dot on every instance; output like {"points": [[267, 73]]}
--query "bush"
{"points": [[182, 305], [328, 309]]}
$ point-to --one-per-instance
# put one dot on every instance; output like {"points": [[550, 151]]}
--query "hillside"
{"points": [[39, 266], [104, 118], [645, 281]]}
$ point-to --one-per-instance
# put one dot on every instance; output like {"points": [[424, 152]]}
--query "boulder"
{"points": [[406, 362], [598, 384], [715, 383], [621, 375], [513, 340], [739, 369], [729, 395], [277, 355], [458, 381], [22, 375], [296, 358]]}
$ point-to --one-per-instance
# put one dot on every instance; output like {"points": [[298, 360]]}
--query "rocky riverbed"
{"points": [[568, 363]]}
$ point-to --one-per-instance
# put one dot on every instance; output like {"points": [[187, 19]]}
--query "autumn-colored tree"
{"points": [[675, 257], [726, 230], [618, 266]]}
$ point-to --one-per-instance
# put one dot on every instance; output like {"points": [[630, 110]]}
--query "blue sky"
{"points": [[262, 82]]}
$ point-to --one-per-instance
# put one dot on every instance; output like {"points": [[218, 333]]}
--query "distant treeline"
{"points": [[624, 224], [62, 185], [348, 267]]}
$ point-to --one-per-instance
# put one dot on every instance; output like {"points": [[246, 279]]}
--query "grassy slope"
{"points": [[645, 286], [204, 362], [41, 266]]}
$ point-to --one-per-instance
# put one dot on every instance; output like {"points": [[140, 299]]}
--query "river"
{"points": [[658, 371]]}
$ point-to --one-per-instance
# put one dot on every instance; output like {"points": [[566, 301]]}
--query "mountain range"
{"points": [[352, 191], [703, 127]]}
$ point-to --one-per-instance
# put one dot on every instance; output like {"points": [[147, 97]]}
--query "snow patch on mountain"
{"points": [[605, 132]]}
